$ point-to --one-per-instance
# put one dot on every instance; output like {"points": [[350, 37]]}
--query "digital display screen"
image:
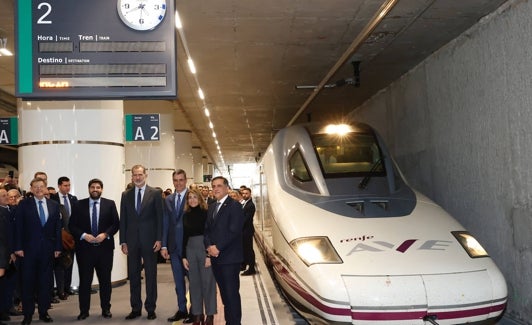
{"points": [[95, 49]]}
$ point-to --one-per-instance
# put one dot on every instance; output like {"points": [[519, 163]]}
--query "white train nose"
{"points": [[448, 298]]}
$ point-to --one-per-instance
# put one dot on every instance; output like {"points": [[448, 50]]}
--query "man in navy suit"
{"points": [[93, 223], [223, 241], [141, 229], [173, 239], [37, 241], [63, 274]]}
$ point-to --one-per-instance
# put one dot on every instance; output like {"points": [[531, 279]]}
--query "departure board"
{"points": [[95, 49]]}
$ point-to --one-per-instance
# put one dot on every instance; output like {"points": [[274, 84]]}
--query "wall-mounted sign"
{"points": [[8, 130], [95, 49], [142, 127]]}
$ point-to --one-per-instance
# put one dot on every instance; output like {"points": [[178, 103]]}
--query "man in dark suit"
{"points": [[7, 258], [63, 274], [141, 228], [173, 239], [93, 223], [248, 231], [37, 241], [4, 240], [223, 241], [205, 195]]}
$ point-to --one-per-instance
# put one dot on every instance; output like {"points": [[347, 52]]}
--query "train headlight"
{"points": [[315, 250], [470, 244]]}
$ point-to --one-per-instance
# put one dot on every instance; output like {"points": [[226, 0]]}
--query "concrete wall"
{"points": [[460, 128]]}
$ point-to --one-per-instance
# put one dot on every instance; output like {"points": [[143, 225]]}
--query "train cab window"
{"points": [[298, 168], [356, 153]]}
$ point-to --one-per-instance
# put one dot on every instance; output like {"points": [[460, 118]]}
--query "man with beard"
{"points": [[93, 223], [141, 231]]}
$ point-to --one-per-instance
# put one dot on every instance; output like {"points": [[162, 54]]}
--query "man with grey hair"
{"points": [[141, 229]]}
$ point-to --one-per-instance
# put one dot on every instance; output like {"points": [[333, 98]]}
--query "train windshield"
{"points": [[351, 154]]}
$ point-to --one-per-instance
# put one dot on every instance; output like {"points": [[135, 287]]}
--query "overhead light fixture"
{"points": [[191, 66], [3, 48], [178, 23]]}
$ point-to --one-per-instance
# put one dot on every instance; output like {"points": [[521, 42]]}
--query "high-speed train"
{"points": [[349, 242]]}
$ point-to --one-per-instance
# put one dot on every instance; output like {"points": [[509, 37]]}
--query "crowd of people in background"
{"points": [[205, 233]]}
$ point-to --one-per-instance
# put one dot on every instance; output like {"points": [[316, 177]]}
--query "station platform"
{"points": [[261, 303]]}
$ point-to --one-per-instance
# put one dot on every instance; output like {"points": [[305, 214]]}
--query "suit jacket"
{"points": [[30, 236], [225, 231], [173, 224], [249, 213], [209, 200], [80, 222], [5, 249], [72, 199], [142, 229]]}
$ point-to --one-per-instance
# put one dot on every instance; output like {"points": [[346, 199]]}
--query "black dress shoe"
{"points": [[133, 315], [189, 319], [46, 318], [63, 296], [14, 312], [107, 314], [151, 315], [179, 315], [82, 316], [249, 272], [26, 320]]}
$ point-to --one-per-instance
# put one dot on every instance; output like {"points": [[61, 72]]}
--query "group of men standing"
{"points": [[148, 225]]}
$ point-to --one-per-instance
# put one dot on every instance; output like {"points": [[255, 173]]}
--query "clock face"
{"points": [[141, 14]]}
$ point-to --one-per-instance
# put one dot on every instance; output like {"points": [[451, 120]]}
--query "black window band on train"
{"points": [[352, 154]]}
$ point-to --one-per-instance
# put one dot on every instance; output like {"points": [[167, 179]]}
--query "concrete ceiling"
{"points": [[250, 55]]}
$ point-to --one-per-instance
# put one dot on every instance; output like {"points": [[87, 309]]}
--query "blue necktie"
{"points": [[42, 216], [178, 203], [66, 204], [94, 223], [139, 200]]}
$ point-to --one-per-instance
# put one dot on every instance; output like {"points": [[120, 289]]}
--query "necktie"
{"points": [[66, 204], [178, 203], [42, 216], [139, 200], [216, 209], [94, 223]]}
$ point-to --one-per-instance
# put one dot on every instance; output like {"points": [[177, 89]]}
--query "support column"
{"points": [[183, 153], [198, 165], [210, 169], [78, 139], [205, 171]]}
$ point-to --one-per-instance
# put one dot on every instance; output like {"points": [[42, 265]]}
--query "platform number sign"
{"points": [[142, 127], [9, 130]]}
